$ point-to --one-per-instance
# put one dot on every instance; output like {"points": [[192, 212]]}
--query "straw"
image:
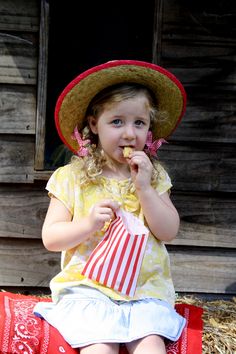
{"points": [[219, 329]]}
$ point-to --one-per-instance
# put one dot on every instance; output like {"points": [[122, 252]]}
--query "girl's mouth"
{"points": [[127, 151]]}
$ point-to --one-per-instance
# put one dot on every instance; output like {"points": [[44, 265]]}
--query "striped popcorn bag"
{"points": [[117, 259]]}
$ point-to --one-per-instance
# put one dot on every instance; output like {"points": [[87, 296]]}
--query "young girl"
{"points": [[110, 211]]}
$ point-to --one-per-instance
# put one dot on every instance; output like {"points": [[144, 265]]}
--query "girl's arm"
{"points": [[61, 232], [159, 212]]}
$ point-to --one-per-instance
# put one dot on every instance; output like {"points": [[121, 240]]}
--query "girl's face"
{"points": [[121, 124]]}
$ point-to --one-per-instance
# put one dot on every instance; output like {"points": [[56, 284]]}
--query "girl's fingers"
{"points": [[112, 204], [106, 211], [140, 163]]}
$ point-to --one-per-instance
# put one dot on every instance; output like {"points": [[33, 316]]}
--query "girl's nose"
{"points": [[129, 132]]}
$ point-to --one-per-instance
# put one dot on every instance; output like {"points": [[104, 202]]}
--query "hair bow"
{"points": [[83, 150], [153, 146]]}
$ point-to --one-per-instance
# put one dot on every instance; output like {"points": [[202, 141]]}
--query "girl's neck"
{"points": [[119, 174]]}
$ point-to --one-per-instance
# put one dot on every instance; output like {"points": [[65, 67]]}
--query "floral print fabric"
{"points": [[154, 278]]}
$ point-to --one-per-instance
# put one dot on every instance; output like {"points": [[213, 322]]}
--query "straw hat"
{"points": [[72, 104]]}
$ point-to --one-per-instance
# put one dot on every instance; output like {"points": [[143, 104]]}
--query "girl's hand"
{"points": [[102, 212], [141, 169]]}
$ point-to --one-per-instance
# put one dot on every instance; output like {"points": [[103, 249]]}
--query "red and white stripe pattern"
{"points": [[117, 259]]}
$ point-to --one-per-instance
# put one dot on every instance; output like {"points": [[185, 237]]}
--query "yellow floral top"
{"points": [[154, 279]]}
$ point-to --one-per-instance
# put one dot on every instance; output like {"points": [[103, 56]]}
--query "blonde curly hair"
{"points": [[91, 166]]}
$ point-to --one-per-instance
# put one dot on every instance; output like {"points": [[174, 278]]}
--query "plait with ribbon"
{"points": [[83, 143], [151, 146]]}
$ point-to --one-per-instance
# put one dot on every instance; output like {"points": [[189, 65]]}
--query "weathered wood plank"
{"points": [[204, 20], [22, 210], [157, 31], [18, 58], [216, 76], [42, 88], [196, 167], [19, 15], [202, 235], [209, 168], [17, 109], [206, 271], [27, 263], [206, 220], [16, 158], [203, 53], [198, 42], [210, 116], [42, 175]]}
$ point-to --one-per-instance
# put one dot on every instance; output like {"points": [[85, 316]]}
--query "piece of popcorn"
{"points": [[127, 151]]}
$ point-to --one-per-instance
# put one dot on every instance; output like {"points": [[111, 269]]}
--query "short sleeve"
{"points": [[163, 180], [61, 184]]}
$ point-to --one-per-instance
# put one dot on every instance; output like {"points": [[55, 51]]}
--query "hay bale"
{"points": [[219, 330]]}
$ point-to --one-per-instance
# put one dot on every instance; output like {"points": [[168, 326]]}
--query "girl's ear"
{"points": [[92, 124]]}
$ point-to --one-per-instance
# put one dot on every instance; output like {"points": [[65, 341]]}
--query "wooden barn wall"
{"points": [[19, 26], [197, 43]]}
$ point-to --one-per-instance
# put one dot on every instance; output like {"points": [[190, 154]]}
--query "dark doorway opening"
{"points": [[87, 33]]}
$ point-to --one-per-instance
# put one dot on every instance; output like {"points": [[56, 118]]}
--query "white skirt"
{"points": [[86, 316]]}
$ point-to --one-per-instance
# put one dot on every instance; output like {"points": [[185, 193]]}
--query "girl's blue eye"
{"points": [[117, 122], [139, 122]]}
